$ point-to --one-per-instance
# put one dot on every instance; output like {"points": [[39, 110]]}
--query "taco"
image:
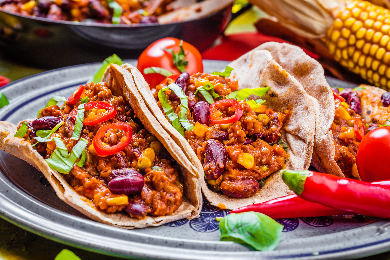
{"points": [[237, 144], [102, 157], [339, 128]]}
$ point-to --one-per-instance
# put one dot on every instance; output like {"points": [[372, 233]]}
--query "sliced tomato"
{"points": [[76, 95], [225, 104], [104, 149]]}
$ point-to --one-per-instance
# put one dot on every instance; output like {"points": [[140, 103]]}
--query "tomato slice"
{"points": [[98, 116], [104, 149], [359, 129], [3, 81], [233, 105], [76, 95], [337, 96]]}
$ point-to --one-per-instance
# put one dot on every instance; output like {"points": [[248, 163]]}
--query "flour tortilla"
{"points": [[192, 202], [310, 74], [285, 93]]}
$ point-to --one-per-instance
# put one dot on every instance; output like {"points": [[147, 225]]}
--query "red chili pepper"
{"points": [[337, 96], [340, 193], [104, 149], [76, 95], [231, 104], [359, 129], [292, 206], [100, 116], [3, 81]]}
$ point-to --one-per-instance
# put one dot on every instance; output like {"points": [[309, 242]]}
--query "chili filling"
{"points": [[133, 174], [239, 146]]}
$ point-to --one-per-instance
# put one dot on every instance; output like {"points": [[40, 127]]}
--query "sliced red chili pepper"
{"points": [[215, 114], [104, 149], [76, 95], [3, 81], [100, 116], [340, 193], [337, 96], [359, 129]]}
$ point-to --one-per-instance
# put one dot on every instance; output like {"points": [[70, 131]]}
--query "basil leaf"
{"points": [[78, 126], [82, 159], [116, 16], [205, 89], [97, 77], [169, 112], [158, 70], [3, 100], [179, 59], [255, 103], [22, 130], [47, 138], [246, 92], [42, 133], [183, 106], [232, 95], [62, 162], [66, 254], [84, 100], [225, 73], [61, 147], [251, 228]]}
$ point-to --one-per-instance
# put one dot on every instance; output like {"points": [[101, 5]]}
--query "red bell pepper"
{"points": [[337, 96], [359, 129], [345, 194], [76, 95], [104, 149], [292, 206], [3, 81], [231, 104]]}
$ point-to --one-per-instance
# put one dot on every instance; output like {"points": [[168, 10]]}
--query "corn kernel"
{"points": [[260, 109], [380, 53], [247, 160], [363, 16], [344, 63], [359, 44], [368, 23], [338, 24], [363, 72], [351, 64], [345, 15], [345, 33], [372, 15], [351, 51], [335, 36], [345, 104], [351, 39], [386, 57], [351, 122], [375, 65], [343, 113], [356, 12], [355, 27], [264, 168], [385, 28], [369, 34], [331, 47], [356, 56], [337, 55], [355, 172], [376, 77], [377, 26], [384, 41], [360, 33], [377, 37], [387, 21], [263, 118], [362, 60], [92, 150], [373, 49], [357, 70], [149, 153], [382, 69], [346, 132], [341, 43], [28, 6], [143, 163], [383, 81], [212, 182], [344, 54], [366, 48], [349, 22], [388, 84], [329, 32], [200, 130], [381, 18], [119, 200], [368, 62], [369, 74], [156, 146]]}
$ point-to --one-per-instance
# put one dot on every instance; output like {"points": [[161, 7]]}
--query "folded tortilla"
{"points": [[192, 201], [258, 70]]}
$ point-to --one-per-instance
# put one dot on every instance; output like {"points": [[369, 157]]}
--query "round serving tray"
{"points": [[28, 201]]}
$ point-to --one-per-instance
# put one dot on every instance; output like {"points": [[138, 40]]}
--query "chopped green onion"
{"points": [[52, 102], [179, 59], [42, 133], [169, 111], [205, 89], [22, 130], [158, 70], [97, 77], [255, 103], [84, 100], [78, 126], [116, 16], [47, 138], [64, 163], [61, 146], [3, 100], [183, 106], [246, 92], [225, 73], [82, 159]]}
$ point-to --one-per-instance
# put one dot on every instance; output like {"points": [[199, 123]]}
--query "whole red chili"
{"points": [[225, 104], [340, 193], [292, 206], [104, 149], [76, 95]]}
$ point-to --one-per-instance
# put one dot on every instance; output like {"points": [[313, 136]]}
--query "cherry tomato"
{"points": [[156, 56], [373, 155]]}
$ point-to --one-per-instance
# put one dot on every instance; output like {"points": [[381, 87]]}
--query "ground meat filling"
{"points": [[162, 192], [345, 139], [238, 155]]}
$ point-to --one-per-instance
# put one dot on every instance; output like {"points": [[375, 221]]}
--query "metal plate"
{"points": [[28, 201]]}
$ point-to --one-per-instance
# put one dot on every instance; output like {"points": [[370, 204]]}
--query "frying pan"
{"points": [[52, 44]]}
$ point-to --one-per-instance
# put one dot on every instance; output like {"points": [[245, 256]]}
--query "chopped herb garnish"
{"points": [[183, 106], [169, 111], [78, 126], [158, 70], [47, 138], [97, 77], [66, 254], [179, 59], [42, 133], [358, 88], [52, 102], [84, 100], [226, 73], [207, 91], [246, 92], [255, 103], [81, 162], [3, 100], [116, 16], [22, 130], [284, 145]]}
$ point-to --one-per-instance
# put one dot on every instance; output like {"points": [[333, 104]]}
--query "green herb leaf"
{"points": [[207, 91], [183, 106], [66, 255], [42, 133], [97, 77], [284, 145], [3, 100], [116, 16], [357, 89], [169, 111], [251, 228], [22, 130], [84, 100], [255, 103], [47, 138], [78, 126], [246, 92], [179, 59], [62, 162], [52, 102], [158, 70], [226, 73], [82, 159]]}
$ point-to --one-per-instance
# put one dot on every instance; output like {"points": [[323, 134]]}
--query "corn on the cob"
{"points": [[359, 39]]}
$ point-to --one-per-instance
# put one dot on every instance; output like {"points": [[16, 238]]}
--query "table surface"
{"points": [[19, 244]]}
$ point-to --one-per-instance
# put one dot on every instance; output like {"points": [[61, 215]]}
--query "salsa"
{"points": [[238, 146], [139, 178]]}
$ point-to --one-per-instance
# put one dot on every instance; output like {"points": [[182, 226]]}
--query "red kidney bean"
{"points": [[248, 141], [191, 104], [148, 19], [129, 184], [182, 81], [385, 99], [219, 135], [345, 93], [44, 6], [136, 209], [216, 157], [336, 90], [243, 188], [97, 10], [354, 102], [45, 123], [202, 112], [122, 172]]}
